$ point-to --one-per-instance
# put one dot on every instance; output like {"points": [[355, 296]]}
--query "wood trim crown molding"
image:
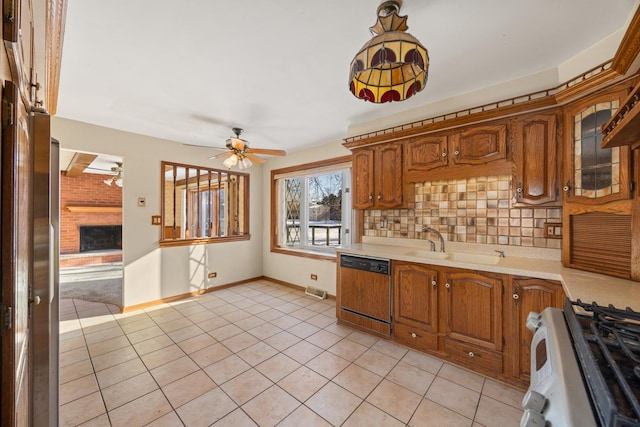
{"points": [[56, 15], [629, 47]]}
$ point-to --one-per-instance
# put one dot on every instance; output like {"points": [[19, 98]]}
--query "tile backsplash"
{"points": [[473, 210]]}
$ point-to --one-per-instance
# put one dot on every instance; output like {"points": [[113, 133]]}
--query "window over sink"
{"points": [[311, 207]]}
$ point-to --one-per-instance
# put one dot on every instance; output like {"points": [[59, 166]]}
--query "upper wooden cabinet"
{"points": [[377, 176], [462, 153], [535, 156], [479, 145], [592, 174]]}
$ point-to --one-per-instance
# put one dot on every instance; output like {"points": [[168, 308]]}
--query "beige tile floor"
{"points": [[257, 354]]}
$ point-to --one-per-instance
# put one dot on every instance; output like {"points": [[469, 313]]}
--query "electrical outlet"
{"points": [[314, 277], [142, 202], [212, 275]]}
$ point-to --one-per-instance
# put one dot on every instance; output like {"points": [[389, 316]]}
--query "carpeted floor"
{"points": [[96, 283]]}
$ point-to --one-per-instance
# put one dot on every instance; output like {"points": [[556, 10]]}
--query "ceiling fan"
{"points": [[241, 154]]}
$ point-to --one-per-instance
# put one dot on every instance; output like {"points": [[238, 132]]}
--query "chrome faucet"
{"points": [[433, 230]]}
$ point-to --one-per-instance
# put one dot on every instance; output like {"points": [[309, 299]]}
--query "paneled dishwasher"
{"points": [[364, 286]]}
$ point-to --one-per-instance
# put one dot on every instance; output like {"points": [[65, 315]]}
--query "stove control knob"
{"points": [[533, 321], [532, 419], [534, 401]]}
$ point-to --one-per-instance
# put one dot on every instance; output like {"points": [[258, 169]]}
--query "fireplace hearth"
{"points": [[100, 237]]}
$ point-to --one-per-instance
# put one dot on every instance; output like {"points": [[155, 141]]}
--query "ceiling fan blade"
{"points": [[253, 158], [268, 152], [225, 154]]}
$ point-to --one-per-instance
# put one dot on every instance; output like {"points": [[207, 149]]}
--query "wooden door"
{"points": [[535, 153], [528, 295], [479, 145], [425, 153], [473, 308], [388, 176], [17, 226], [363, 178], [415, 296]]}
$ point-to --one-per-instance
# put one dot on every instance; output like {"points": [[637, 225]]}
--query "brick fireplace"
{"points": [[90, 220]]}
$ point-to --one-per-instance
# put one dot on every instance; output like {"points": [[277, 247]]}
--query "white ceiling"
{"points": [[188, 71]]}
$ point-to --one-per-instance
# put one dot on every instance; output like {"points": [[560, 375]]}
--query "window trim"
{"points": [[306, 253], [203, 240]]}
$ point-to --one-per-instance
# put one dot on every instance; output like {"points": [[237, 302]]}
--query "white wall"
{"points": [[151, 272], [295, 269]]}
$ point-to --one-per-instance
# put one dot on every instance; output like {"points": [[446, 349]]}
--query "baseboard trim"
{"points": [[173, 298]]}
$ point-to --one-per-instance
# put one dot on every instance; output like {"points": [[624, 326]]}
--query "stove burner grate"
{"points": [[607, 343]]}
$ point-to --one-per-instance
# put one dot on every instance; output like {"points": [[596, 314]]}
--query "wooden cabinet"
{"points": [[597, 184], [466, 152], [472, 318], [524, 296], [415, 305], [535, 154], [377, 176]]}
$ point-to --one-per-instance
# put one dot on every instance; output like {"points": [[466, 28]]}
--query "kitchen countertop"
{"points": [[531, 262]]}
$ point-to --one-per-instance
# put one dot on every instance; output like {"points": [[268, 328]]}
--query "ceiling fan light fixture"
{"points": [[230, 161], [393, 65]]}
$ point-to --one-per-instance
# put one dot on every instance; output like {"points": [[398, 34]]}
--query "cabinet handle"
{"points": [[457, 152], [379, 196], [472, 354], [444, 155], [370, 196], [567, 187], [413, 335], [447, 285], [515, 296], [519, 189], [434, 284]]}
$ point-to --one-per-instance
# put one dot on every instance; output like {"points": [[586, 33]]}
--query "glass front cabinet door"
{"points": [[593, 174]]}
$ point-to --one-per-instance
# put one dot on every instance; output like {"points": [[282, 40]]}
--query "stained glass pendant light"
{"points": [[393, 65]]}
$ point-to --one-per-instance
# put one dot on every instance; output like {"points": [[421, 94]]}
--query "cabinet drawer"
{"points": [[473, 356], [414, 337]]}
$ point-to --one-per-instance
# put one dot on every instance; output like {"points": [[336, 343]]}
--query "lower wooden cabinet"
{"points": [[526, 295], [415, 305], [473, 318]]}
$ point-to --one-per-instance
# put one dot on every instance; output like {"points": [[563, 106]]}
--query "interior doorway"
{"points": [[91, 227]]}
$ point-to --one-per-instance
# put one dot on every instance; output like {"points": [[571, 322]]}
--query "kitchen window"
{"points": [[311, 208], [202, 205]]}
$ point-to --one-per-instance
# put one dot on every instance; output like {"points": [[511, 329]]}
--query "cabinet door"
{"points": [[528, 295], [388, 176], [473, 308], [594, 175], [415, 297], [535, 156], [479, 145], [425, 153], [363, 173]]}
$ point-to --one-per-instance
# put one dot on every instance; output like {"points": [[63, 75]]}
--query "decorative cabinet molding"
{"points": [[479, 145], [377, 176], [535, 156]]}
